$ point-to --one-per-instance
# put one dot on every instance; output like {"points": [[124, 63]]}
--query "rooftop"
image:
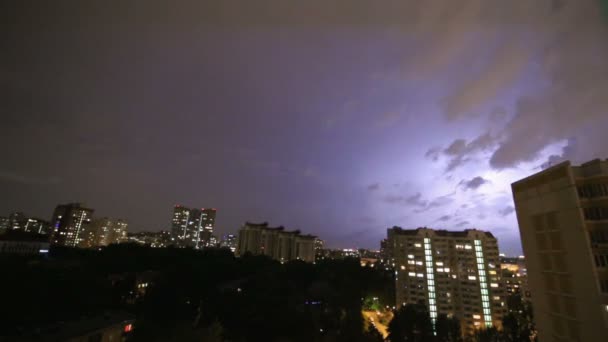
{"points": [[439, 232]]}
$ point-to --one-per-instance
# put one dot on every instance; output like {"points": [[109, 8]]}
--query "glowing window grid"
{"points": [[430, 280], [483, 285]]}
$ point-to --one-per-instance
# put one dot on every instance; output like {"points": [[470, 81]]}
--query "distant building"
{"points": [[385, 253], [69, 223], [192, 227], [36, 225], [159, 239], [563, 221], [229, 241], [17, 220], [277, 243], [103, 232], [22, 243], [453, 273], [4, 223], [515, 276]]}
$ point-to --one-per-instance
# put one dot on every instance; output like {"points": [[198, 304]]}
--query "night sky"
{"points": [[339, 118]]}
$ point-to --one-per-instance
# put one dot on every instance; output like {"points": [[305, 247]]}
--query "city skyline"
{"points": [[337, 118]]}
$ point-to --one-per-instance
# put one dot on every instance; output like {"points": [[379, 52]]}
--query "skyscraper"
{"points": [[453, 273], [277, 243], [563, 221], [192, 227], [69, 223]]}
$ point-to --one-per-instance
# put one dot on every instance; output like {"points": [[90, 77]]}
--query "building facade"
{"points": [[69, 223], [453, 273], [563, 221], [36, 225], [4, 223], [192, 227], [229, 241], [277, 243], [515, 276], [17, 220], [19, 242], [103, 232]]}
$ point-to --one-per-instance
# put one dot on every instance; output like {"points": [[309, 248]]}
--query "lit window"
{"points": [[446, 269], [468, 247], [417, 245], [420, 275], [472, 278], [412, 274], [476, 324], [439, 263], [440, 270], [492, 272], [410, 256], [498, 298], [419, 263], [476, 317], [493, 285], [402, 268]]}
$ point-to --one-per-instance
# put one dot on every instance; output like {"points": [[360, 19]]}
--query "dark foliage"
{"points": [[194, 295]]}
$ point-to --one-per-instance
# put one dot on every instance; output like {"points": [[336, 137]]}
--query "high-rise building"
{"points": [[563, 221], [69, 223], [453, 273], [277, 243], [192, 227], [17, 220], [103, 232]]}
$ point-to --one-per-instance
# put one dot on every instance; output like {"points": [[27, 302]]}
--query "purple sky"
{"points": [[339, 118]]}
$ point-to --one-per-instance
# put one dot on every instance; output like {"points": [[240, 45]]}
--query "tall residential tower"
{"points": [[563, 222], [453, 273], [69, 223], [192, 227]]}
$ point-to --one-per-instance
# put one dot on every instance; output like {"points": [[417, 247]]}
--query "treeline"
{"points": [[194, 295], [413, 323]]}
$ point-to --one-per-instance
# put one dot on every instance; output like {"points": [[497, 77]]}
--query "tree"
{"points": [[518, 324], [448, 329], [488, 335], [412, 323]]}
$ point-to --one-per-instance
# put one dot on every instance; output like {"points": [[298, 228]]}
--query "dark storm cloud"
{"points": [[444, 218], [473, 183], [459, 152], [463, 224], [373, 187]]}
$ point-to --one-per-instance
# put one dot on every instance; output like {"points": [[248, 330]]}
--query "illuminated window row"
{"points": [[485, 299], [428, 256]]}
